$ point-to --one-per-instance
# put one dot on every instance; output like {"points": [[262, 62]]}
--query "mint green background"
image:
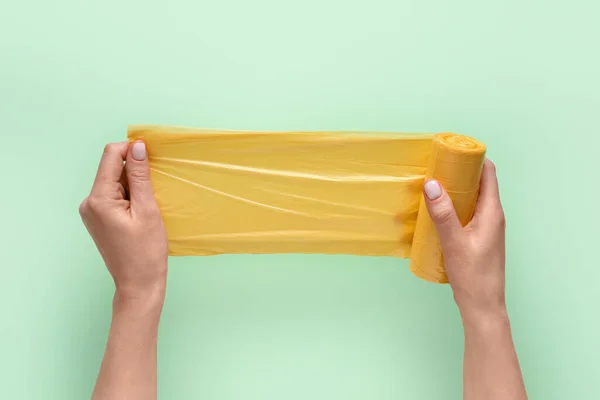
{"points": [[522, 76]]}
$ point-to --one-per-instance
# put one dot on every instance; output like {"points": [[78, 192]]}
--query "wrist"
{"points": [[136, 318], [141, 301], [480, 307], [487, 320]]}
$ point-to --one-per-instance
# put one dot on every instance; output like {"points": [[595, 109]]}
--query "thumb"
{"points": [[442, 213], [141, 193]]}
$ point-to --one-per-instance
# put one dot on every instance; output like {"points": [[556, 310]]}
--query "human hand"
{"points": [[474, 256], [123, 218]]}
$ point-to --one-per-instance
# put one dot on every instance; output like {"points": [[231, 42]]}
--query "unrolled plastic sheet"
{"points": [[353, 193]]}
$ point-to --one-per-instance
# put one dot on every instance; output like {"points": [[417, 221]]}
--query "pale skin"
{"points": [[124, 220]]}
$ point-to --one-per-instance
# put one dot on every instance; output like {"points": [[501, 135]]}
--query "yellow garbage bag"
{"points": [[354, 193]]}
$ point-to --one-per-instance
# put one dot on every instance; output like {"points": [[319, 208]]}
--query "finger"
{"points": [[123, 185], [442, 213], [488, 206], [141, 193], [111, 167]]}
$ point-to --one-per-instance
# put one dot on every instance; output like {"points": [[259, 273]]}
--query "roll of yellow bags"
{"points": [[456, 162], [356, 193]]}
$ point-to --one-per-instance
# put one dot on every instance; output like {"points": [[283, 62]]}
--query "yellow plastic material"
{"points": [[355, 193], [456, 162]]}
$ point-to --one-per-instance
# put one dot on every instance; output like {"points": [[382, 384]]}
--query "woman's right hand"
{"points": [[474, 256]]}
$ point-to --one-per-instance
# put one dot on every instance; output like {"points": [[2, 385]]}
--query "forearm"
{"points": [[129, 367], [491, 366]]}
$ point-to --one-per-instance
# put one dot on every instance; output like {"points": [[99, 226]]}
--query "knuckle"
{"points": [[110, 148], [443, 214], [92, 204], [139, 175], [501, 220], [84, 207], [497, 216]]}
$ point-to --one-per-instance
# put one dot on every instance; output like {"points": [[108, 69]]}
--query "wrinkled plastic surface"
{"points": [[356, 193]]}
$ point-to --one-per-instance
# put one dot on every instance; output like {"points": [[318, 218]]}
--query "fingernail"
{"points": [[433, 190], [138, 151]]}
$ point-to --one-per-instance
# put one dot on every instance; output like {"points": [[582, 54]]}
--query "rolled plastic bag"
{"points": [[456, 163], [354, 193]]}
